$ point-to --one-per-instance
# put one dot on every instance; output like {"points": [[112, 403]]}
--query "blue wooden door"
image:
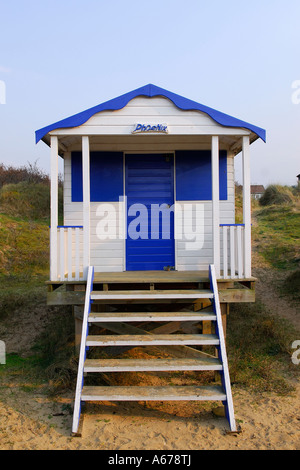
{"points": [[149, 187]]}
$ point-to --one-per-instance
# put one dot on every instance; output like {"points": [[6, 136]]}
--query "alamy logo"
{"points": [[296, 93], [2, 92], [2, 353], [296, 354], [152, 222]]}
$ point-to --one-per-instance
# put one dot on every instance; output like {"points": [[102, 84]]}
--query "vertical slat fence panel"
{"points": [[239, 251], [225, 251], [70, 264], [62, 252], [77, 254]]}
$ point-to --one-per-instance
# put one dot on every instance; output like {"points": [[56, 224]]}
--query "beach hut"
{"points": [[149, 147], [149, 218]]}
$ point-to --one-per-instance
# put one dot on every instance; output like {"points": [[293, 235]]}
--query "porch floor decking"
{"points": [[152, 277], [71, 292]]}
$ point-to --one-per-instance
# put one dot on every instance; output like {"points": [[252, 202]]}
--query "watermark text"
{"points": [[2, 92], [296, 92], [2, 353], [180, 221], [296, 354]]}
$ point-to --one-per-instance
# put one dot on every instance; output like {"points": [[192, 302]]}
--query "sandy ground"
{"points": [[29, 420], [267, 422]]}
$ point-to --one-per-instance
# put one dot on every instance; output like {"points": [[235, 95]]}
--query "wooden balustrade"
{"points": [[233, 251], [70, 253]]}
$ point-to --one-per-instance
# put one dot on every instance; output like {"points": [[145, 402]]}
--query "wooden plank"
{"points": [[175, 351], [152, 277], [224, 313], [151, 316], [145, 277], [207, 328], [214, 393], [152, 340], [237, 295], [56, 297], [140, 365], [124, 328], [78, 333], [152, 294]]}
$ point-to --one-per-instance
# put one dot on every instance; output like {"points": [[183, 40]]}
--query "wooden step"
{"points": [[142, 365], [151, 316], [152, 294], [151, 340], [136, 393]]}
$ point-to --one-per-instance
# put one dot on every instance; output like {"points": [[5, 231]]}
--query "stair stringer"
{"points": [[225, 377], [83, 349]]}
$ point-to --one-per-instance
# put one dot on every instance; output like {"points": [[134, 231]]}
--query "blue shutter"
{"points": [[106, 173], [193, 175], [150, 180]]}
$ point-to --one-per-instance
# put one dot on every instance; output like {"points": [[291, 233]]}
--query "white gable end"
{"points": [[152, 111]]}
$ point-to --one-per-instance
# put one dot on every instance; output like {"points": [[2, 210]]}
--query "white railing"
{"points": [[70, 253], [233, 251]]}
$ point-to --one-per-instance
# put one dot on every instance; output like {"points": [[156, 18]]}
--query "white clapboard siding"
{"points": [[109, 255], [153, 111], [199, 259]]}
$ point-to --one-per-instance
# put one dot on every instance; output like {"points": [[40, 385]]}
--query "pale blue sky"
{"points": [[58, 58]]}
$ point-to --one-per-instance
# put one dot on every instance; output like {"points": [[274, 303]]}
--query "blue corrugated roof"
{"points": [[149, 91]]}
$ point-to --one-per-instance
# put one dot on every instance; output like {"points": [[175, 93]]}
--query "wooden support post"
{"points": [[247, 206], [224, 313], [78, 317], [86, 203], [215, 203], [54, 209], [206, 328]]}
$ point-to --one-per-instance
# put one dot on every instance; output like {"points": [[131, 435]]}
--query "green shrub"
{"points": [[30, 173], [55, 351], [277, 234], [259, 342], [24, 247], [276, 194], [291, 285], [27, 200]]}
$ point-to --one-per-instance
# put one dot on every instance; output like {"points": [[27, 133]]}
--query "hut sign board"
{"points": [[141, 128]]}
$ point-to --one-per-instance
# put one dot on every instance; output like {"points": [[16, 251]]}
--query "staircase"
{"points": [[123, 320]]}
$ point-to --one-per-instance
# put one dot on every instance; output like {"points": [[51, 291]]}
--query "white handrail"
{"points": [[87, 309], [222, 349]]}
